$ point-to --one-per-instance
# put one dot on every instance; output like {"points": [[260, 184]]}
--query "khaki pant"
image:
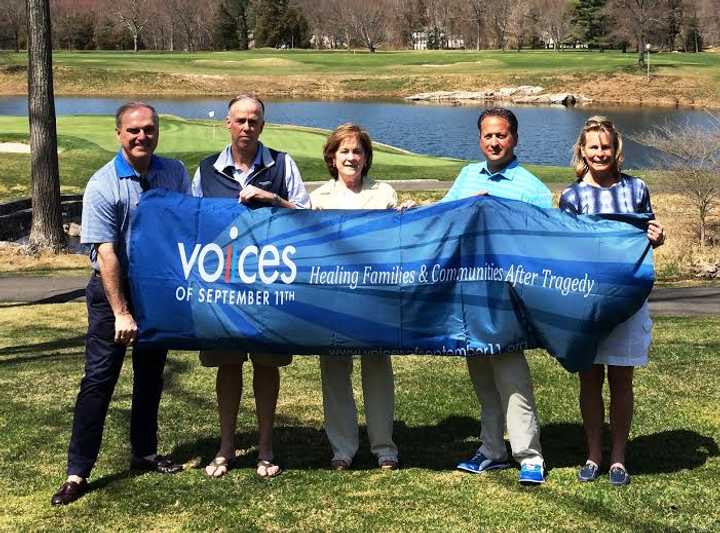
{"points": [[504, 388], [341, 423]]}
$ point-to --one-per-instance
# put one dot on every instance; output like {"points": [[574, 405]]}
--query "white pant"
{"points": [[341, 424], [503, 387]]}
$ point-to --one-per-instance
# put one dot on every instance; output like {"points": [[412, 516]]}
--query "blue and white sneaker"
{"points": [[531, 474], [588, 472], [618, 475], [479, 464]]}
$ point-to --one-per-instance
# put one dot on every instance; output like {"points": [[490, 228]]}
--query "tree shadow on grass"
{"points": [[663, 452], [301, 447], [670, 451], [30, 350], [440, 447], [61, 298]]}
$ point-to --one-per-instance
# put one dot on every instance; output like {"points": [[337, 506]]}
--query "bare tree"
{"points": [[517, 23], [46, 230], [555, 19], [367, 20], [73, 24], [635, 20], [134, 15], [13, 16], [693, 155], [499, 21], [403, 18], [320, 17], [478, 16], [162, 27], [709, 21], [437, 17]]}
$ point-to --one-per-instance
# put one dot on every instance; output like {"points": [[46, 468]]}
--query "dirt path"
{"points": [[696, 301]]}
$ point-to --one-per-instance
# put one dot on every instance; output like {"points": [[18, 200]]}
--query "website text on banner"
{"points": [[474, 277]]}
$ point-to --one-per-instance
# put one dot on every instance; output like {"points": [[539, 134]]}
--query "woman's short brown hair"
{"points": [[336, 138], [597, 123]]}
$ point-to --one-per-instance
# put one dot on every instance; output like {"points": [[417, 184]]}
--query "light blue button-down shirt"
{"points": [[513, 182]]}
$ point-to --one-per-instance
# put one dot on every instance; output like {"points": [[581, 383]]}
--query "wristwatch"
{"points": [[276, 199]]}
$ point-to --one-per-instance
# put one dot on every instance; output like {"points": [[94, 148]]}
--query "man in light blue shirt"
{"points": [[109, 204], [500, 174], [502, 382]]}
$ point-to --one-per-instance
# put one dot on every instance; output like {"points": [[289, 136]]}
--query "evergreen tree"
{"points": [[296, 30], [279, 24], [693, 39], [225, 34], [269, 15], [590, 23]]}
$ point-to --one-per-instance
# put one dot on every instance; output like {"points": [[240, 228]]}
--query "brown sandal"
{"points": [[340, 464], [389, 464], [217, 468], [267, 469]]}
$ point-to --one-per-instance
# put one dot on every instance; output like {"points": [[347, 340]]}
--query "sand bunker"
{"points": [[271, 62], [14, 148], [258, 62], [482, 62]]}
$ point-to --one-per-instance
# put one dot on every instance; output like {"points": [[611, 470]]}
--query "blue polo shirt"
{"points": [[112, 195], [513, 182]]}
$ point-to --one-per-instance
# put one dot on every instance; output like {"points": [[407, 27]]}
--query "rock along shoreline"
{"points": [[524, 94]]}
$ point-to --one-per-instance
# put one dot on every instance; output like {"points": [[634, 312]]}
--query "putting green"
{"points": [[178, 135]]}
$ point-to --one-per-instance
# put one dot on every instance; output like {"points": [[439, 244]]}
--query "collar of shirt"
{"points": [[124, 169], [226, 165], [507, 172]]}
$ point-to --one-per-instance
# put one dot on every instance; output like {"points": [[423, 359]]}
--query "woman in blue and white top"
{"points": [[602, 188]]}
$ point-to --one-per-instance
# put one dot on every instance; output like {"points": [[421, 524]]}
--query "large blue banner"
{"points": [[474, 277]]}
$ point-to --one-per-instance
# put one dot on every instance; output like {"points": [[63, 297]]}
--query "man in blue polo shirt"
{"points": [[109, 204], [502, 383]]}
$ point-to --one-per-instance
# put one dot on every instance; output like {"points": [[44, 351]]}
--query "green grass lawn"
{"points": [[687, 79], [88, 142], [673, 450], [359, 62]]}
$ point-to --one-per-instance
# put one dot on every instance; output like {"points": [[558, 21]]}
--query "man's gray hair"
{"points": [[131, 106], [247, 96]]}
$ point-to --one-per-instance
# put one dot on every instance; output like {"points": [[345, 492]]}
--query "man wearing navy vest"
{"points": [[259, 177]]}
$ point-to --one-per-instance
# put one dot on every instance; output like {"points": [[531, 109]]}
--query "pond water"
{"points": [[546, 132]]}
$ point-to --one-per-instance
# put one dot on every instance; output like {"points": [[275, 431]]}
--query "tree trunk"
{"points": [[46, 230]]}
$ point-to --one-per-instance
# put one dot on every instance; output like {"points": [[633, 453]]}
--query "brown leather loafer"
{"points": [[340, 465], [389, 464], [69, 492], [161, 464]]}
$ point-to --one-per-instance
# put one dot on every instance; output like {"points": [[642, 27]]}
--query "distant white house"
{"points": [[324, 41], [421, 39], [549, 42]]}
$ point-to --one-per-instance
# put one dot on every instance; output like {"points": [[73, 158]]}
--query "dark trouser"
{"points": [[103, 362]]}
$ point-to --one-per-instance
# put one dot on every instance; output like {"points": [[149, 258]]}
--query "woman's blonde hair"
{"points": [[597, 123], [342, 132]]}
